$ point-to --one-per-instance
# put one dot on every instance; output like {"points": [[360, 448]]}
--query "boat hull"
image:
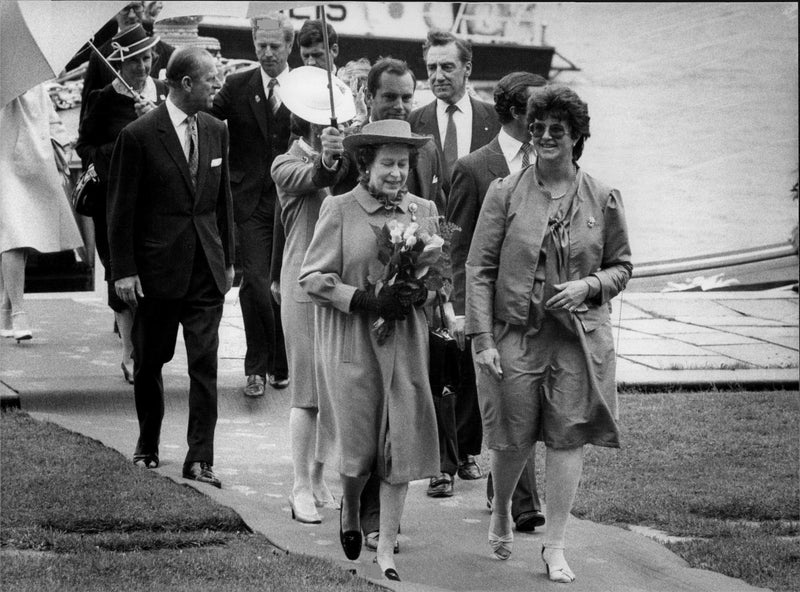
{"points": [[490, 61]]}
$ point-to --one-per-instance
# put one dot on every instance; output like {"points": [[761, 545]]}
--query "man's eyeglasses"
{"points": [[136, 7], [557, 131]]}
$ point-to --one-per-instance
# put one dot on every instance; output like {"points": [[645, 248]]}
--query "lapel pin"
{"points": [[258, 99], [591, 222]]}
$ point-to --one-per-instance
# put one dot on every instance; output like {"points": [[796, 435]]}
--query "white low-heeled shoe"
{"points": [[21, 327], [304, 510]]}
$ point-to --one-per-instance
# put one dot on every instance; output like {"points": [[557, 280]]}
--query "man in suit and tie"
{"points": [[389, 94], [258, 123], [458, 123], [170, 229], [507, 153]]}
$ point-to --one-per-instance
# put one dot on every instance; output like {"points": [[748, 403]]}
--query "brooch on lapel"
{"points": [[258, 99], [412, 208], [591, 222]]}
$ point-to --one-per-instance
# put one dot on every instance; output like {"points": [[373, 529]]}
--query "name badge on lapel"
{"points": [[215, 162]]}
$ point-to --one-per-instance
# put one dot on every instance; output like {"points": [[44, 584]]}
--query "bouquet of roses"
{"points": [[412, 257]]}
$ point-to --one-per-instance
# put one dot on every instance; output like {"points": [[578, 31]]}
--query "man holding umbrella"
{"points": [[259, 129]]}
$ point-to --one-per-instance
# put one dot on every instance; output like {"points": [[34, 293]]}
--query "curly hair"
{"points": [[512, 91], [365, 156], [562, 103]]}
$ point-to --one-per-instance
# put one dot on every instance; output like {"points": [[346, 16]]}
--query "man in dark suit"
{"points": [[259, 129], [459, 125], [472, 123], [170, 228], [389, 94], [508, 152]]}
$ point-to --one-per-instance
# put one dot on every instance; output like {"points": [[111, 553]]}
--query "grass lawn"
{"points": [[75, 515], [720, 467]]}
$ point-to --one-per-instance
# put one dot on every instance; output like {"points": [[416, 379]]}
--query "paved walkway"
{"points": [[69, 374]]}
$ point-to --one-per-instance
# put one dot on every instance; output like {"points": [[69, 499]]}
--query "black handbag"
{"points": [[444, 379], [87, 195]]}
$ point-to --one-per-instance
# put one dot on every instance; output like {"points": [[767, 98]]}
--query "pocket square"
{"points": [[215, 162]]}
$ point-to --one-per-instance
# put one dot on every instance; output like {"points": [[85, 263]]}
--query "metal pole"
{"points": [[328, 64]]}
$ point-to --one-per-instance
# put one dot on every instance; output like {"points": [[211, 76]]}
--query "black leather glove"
{"points": [[411, 293], [386, 304]]}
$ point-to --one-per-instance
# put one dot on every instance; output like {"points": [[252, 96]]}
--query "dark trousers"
{"points": [[458, 416], [525, 497], [371, 505], [266, 352], [155, 332]]}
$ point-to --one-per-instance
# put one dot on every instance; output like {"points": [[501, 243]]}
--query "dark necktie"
{"points": [[191, 137], [450, 144], [272, 100], [526, 154]]}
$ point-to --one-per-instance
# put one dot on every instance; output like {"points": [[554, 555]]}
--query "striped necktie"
{"points": [[526, 154], [272, 99], [191, 140]]}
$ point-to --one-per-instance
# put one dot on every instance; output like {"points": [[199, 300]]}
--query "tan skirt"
{"points": [[558, 387]]}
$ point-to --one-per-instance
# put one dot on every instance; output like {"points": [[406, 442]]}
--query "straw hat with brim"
{"points": [[387, 131], [130, 42], [304, 91]]}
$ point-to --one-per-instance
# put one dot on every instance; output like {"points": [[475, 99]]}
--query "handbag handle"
{"points": [[440, 307]]}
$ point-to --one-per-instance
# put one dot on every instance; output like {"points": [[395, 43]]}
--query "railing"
{"points": [[706, 262]]}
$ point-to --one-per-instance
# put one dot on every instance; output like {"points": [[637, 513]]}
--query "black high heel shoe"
{"points": [[350, 540], [389, 573]]}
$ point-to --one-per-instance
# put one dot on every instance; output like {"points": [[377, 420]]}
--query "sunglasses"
{"points": [[557, 131], [138, 8]]}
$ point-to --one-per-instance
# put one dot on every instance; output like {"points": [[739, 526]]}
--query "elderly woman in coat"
{"points": [[549, 252], [302, 177], [108, 110], [375, 410]]}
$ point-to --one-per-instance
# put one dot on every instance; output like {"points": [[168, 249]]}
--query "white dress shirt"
{"points": [[463, 120], [276, 92], [511, 151], [178, 119]]}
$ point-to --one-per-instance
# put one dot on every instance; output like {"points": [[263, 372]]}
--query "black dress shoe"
{"points": [[201, 471], [148, 461], [528, 521], [350, 540], [441, 486], [277, 382], [468, 469]]}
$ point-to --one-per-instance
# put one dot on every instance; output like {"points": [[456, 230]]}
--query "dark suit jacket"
{"points": [[156, 220], [257, 136], [485, 126], [472, 176]]}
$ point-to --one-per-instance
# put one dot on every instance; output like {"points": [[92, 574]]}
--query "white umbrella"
{"points": [[39, 37]]}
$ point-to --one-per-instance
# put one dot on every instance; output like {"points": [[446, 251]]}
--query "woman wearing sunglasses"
{"points": [[549, 252]]}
